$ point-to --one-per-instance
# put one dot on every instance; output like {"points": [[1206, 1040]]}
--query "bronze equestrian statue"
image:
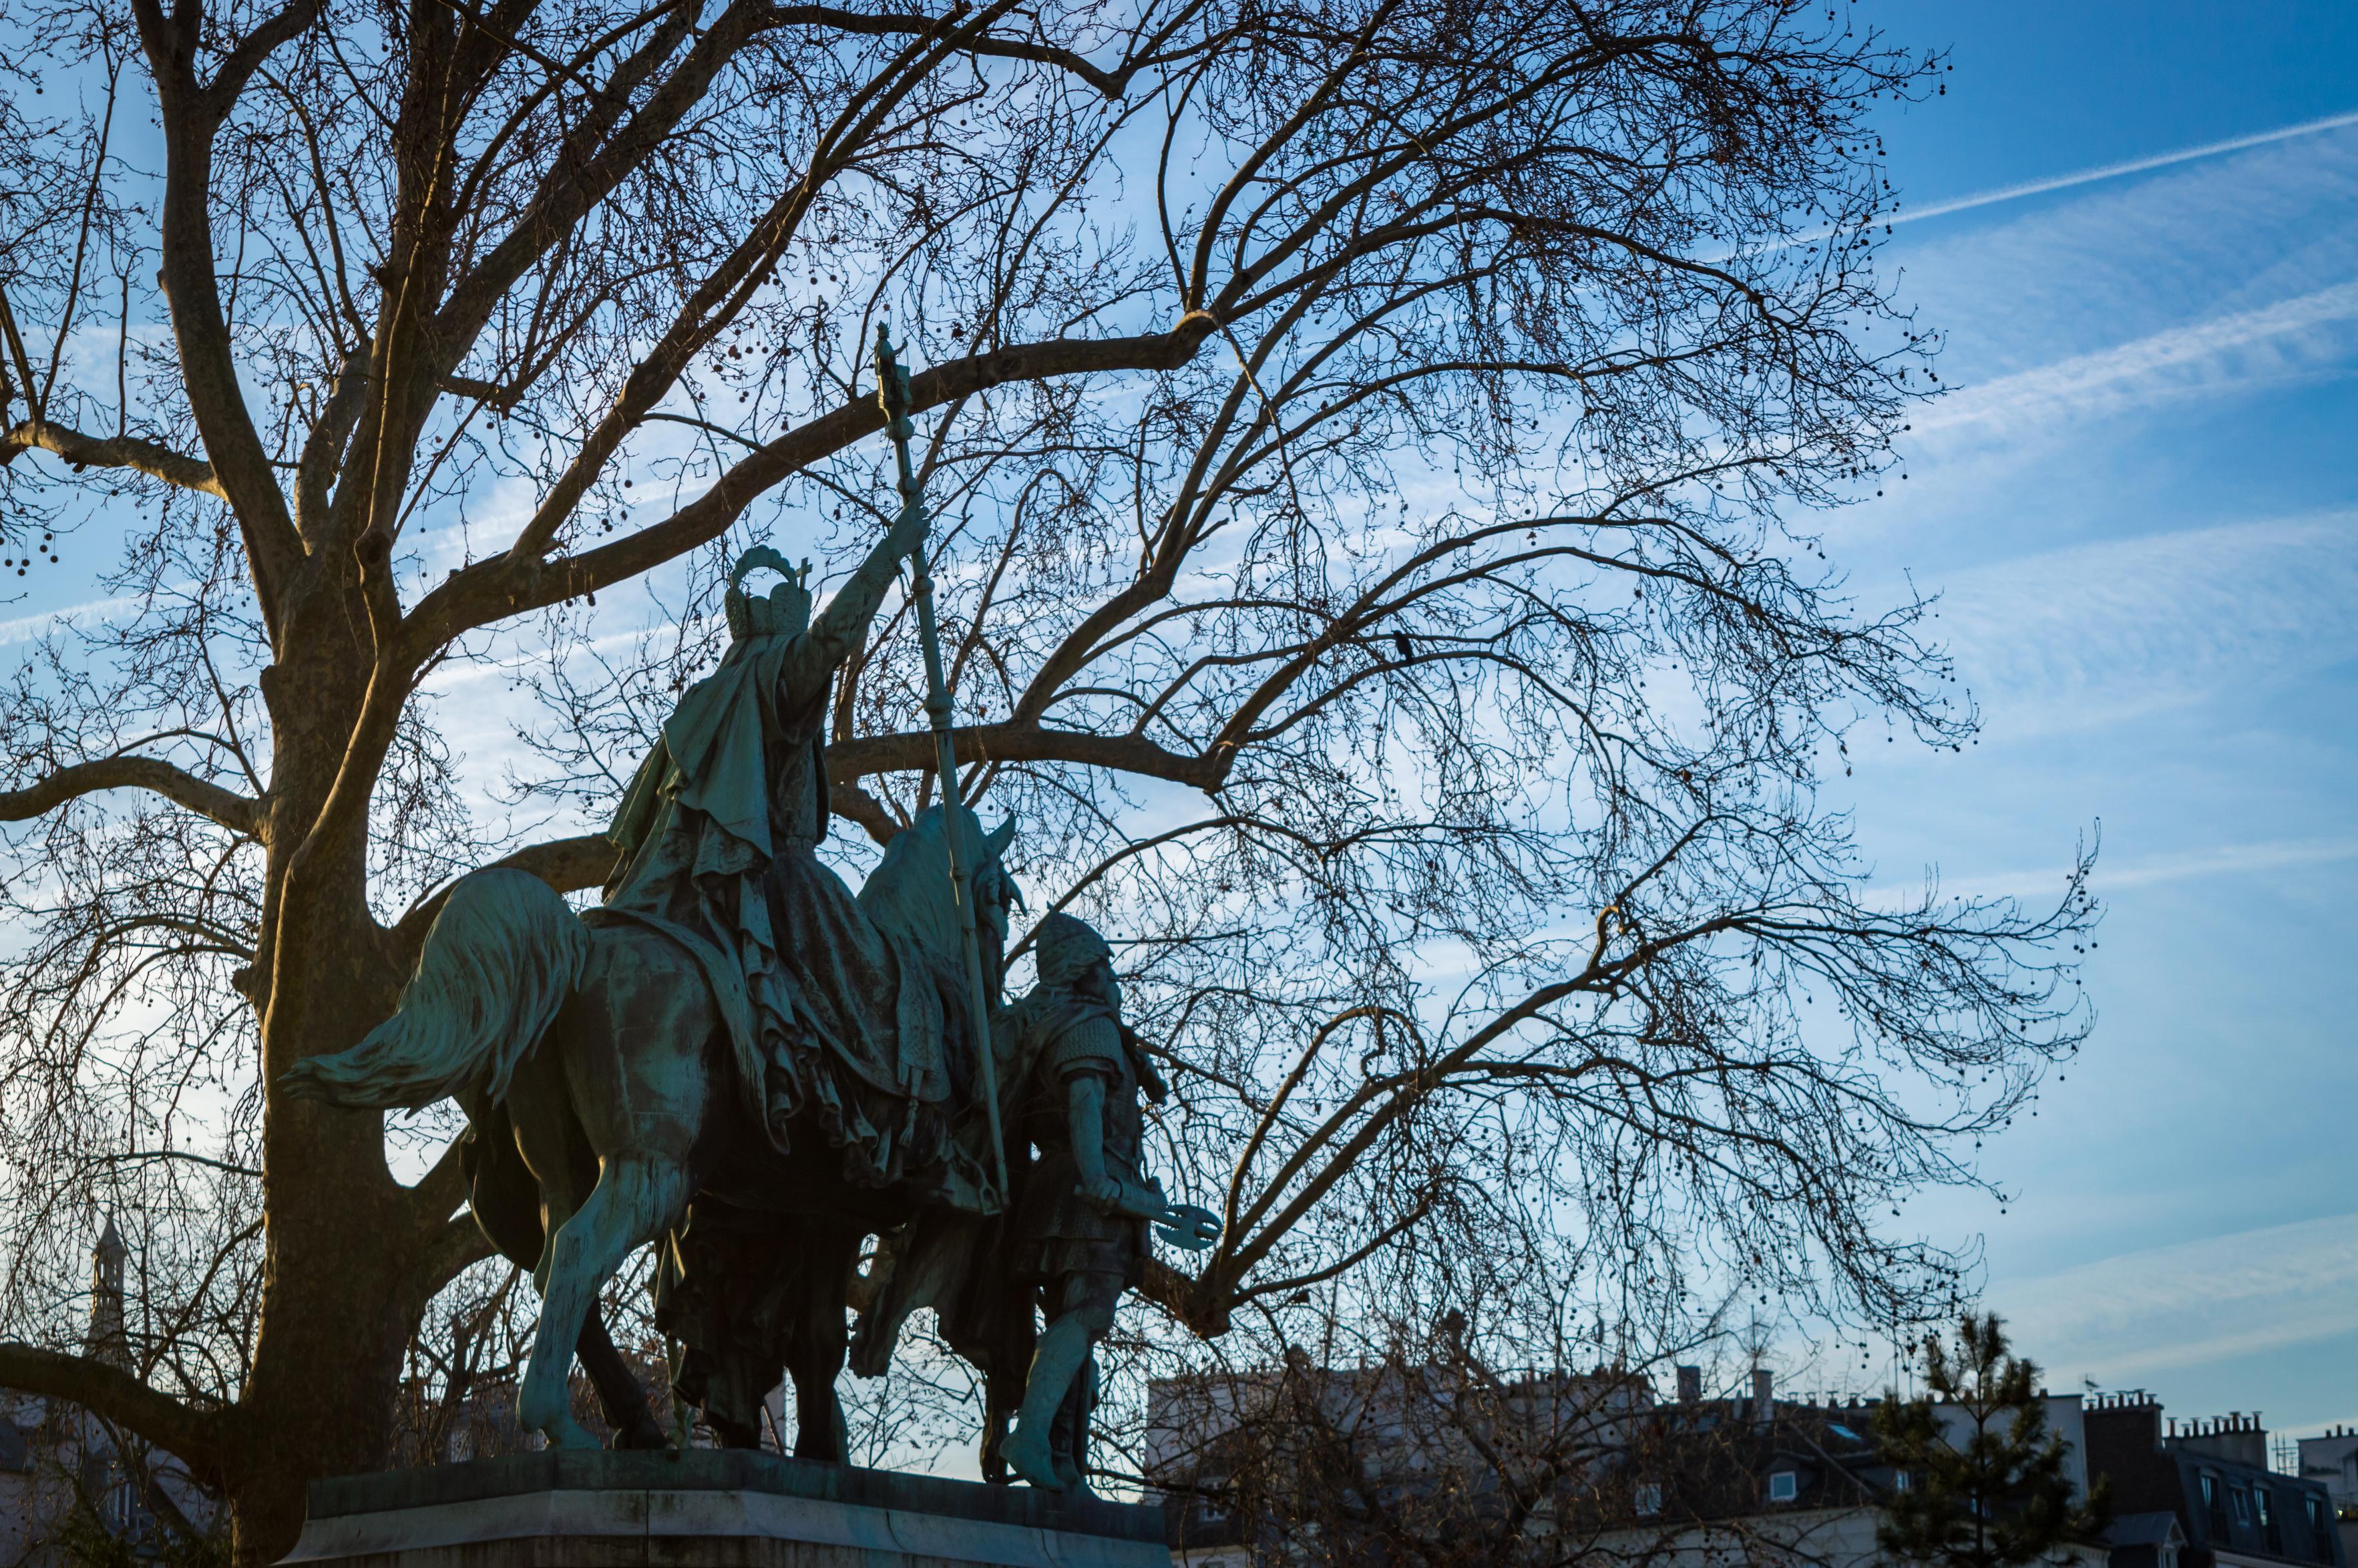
{"points": [[731, 1018], [737, 1059]]}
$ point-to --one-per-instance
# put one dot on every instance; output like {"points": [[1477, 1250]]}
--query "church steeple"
{"points": [[107, 1340]]}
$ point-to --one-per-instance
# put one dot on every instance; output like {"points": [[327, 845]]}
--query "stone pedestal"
{"points": [[707, 1509]]}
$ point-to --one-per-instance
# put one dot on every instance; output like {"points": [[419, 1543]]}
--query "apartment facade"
{"points": [[2331, 1460], [2212, 1477]]}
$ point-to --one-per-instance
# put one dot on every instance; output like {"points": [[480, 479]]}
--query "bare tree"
{"points": [[1498, 1438], [1366, 436], [1409, 1447]]}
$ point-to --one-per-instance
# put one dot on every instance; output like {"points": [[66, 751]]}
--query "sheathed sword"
{"points": [[893, 392]]}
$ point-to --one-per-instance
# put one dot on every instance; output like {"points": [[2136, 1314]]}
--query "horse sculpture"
{"points": [[599, 1055]]}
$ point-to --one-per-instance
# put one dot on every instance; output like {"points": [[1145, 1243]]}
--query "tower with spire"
{"points": [[107, 1339]]}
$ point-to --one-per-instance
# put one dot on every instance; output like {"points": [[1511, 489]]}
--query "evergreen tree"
{"points": [[1990, 1491]]}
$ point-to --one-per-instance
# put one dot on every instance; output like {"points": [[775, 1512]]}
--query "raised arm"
{"points": [[834, 634]]}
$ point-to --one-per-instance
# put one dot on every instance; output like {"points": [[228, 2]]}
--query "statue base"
{"points": [[707, 1509]]}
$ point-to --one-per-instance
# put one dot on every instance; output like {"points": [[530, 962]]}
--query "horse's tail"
{"points": [[499, 961]]}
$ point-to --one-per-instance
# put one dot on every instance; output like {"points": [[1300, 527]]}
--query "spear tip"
{"points": [[892, 381]]}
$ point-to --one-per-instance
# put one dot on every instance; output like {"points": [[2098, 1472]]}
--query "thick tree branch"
{"points": [[569, 865], [489, 394], [504, 585], [1188, 1300], [117, 1396], [189, 274], [1112, 83], [853, 804], [1025, 742], [231, 810], [110, 452], [222, 95], [458, 1245]]}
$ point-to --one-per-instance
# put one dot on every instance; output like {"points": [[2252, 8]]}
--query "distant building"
{"points": [[2212, 1478], [1380, 1463], [1762, 1481], [1753, 1480], [2331, 1460], [1587, 1466], [62, 1469]]}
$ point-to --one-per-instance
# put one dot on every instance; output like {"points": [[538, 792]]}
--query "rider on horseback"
{"points": [[731, 1029], [718, 834], [852, 1024]]}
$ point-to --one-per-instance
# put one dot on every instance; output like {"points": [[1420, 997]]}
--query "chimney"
{"points": [[1764, 1400], [2121, 1433], [1690, 1385], [2236, 1437], [107, 1339]]}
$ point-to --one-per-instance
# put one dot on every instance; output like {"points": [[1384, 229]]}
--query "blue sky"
{"points": [[2141, 506]]}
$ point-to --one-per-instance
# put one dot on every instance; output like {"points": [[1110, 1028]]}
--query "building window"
{"points": [[1649, 1499], [1784, 1487], [2271, 1531], [2317, 1546], [1901, 1481], [2215, 1507], [2240, 1500]]}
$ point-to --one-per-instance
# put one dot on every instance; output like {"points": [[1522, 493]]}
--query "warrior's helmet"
{"points": [[1067, 948], [785, 613]]}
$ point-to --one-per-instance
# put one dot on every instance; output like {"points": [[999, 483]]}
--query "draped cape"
{"points": [[828, 1012]]}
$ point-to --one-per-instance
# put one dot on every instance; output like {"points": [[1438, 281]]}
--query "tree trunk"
{"points": [[336, 1316], [344, 1239]]}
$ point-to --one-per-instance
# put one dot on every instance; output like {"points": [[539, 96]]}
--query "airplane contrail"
{"points": [[2132, 165]]}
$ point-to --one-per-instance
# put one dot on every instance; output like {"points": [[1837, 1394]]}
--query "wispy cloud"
{"points": [[25, 628], [2128, 165], [2216, 860], [2123, 1319], [2232, 859], [2287, 338], [2210, 249], [2069, 639]]}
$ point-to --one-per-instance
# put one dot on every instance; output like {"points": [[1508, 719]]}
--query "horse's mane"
{"points": [[909, 891]]}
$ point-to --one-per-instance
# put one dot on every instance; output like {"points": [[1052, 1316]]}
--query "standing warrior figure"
{"points": [[1080, 1228]]}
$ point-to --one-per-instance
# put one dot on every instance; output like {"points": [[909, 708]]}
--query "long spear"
{"points": [[893, 392]]}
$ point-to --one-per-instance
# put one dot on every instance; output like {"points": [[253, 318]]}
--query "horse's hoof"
{"points": [[645, 1436], [564, 1431], [1029, 1457], [733, 1434]]}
